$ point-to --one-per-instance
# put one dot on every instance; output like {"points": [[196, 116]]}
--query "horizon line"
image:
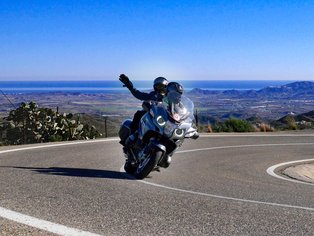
{"points": [[111, 80]]}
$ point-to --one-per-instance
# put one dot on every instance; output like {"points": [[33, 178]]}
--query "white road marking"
{"points": [[39, 223], [64, 230], [228, 198], [271, 171], [224, 197], [58, 145], [43, 224], [216, 196], [244, 146]]}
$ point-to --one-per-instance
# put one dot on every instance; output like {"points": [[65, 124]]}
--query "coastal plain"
{"points": [[267, 105]]}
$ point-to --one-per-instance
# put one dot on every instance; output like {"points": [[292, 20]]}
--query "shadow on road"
{"points": [[77, 172]]}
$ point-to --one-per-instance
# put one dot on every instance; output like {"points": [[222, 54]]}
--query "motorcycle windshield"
{"points": [[178, 106]]}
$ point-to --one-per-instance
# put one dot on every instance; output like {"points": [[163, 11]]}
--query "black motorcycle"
{"points": [[161, 132]]}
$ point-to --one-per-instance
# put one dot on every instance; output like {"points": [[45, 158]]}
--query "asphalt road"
{"points": [[216, 185]]}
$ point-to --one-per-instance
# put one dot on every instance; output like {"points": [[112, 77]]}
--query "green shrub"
{"points": [[291, 124], [233, 125]]}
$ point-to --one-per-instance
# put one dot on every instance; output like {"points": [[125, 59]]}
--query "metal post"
{"points": [[106, 133], [196, 117]]}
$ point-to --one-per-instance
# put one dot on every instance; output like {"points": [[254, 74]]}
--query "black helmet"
{"points": [[174, 86], [160, 85]]}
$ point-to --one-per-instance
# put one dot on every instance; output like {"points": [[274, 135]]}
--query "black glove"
{"points": [[146, 105], [125, 80]]}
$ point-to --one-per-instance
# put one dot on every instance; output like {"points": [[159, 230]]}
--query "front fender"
{"points": [[155, 144], [158, 141], [158, 146]]}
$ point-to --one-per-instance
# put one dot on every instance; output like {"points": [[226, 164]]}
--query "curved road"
{"points": [[216, 185]]}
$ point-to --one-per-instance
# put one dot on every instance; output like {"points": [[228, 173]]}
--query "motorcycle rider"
{"points": [[176, 87], [159, 92]]}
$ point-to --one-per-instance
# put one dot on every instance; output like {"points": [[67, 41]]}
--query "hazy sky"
{"points": [[64, 39]]}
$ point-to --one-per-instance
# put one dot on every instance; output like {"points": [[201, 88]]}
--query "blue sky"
{"points": [[201, 40]]}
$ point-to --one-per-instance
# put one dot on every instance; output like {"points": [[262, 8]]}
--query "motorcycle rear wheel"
{"points": [[148, 164]]}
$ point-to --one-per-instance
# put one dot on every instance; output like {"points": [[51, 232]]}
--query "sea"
{"points": [[106, 86]]}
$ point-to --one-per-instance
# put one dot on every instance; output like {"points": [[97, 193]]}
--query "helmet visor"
{"points": [[161, 88]]}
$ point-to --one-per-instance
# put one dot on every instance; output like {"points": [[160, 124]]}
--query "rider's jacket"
{"points": [[152, 96]]}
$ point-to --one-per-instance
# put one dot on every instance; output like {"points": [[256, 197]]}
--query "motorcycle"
{"points": [[161, 132]]}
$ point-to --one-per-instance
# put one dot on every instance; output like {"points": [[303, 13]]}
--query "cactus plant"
{"points": [[31, 124]]}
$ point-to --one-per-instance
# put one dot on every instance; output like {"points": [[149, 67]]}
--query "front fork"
{"points": [[153, 145], [157, 146]]}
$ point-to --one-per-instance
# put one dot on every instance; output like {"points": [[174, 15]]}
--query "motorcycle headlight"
{"points": [[179, 132], [161, 121]]}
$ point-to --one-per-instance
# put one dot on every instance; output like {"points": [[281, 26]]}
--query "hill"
{"points": [[270, 103], [292, 121], [296, 90], [289, 91]]}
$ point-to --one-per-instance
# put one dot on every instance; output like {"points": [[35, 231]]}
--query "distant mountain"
{"points": [[293, 90], [296, 90], [198, 91]]}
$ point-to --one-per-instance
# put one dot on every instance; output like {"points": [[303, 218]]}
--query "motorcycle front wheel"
{"points": [[148, 164], [129, 168]]}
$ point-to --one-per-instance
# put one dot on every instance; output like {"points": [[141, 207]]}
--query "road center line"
{"points": [[227, 198], [244, 146], [231, 198]]}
